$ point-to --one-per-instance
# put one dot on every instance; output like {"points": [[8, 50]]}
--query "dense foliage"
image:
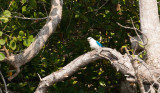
{"points": [[81, 19]]}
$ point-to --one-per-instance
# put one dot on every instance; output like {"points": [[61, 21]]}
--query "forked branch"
{"points": [[121, 62]]}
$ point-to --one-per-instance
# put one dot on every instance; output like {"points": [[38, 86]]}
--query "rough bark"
{"points": [[17, 60], [121, 62], [127, 87], [150, 27]]}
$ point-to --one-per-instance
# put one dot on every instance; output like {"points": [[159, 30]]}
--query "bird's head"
{"points": [[89, 39]]}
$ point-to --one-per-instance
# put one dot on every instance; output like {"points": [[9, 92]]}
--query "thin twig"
{"points": [[30, 18], [39, 77], [127, 51], [125, 26], [10, 4], [6, 51], [26, 18], [139, 80], [144, 43], [4, 82], [45, 8], [96, 10], [135, 29]]}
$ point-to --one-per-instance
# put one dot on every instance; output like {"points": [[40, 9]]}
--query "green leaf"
{"points": [[102, 83], [14, 5], [77, 15], [1, 33], [21, 33], [4, 20], [26, 42], [123, 46], [23, 1], [2, 42], [112, 34], [7, 13], [19, 38], [12, 45], [140, 44], [5, 16], [24, 9], [33, 3], [15, 39], [2, 56], [31, 38], [107, 11], [35, 14]]}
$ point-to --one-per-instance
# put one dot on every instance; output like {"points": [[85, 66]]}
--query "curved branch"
{"points": [[17, 60], [121, 62], [66, 71], [83, 60]]}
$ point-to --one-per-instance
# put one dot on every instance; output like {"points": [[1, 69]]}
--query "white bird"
{"points": [[93, 43]]}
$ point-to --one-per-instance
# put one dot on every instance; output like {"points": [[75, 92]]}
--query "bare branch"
{"points": [[39, 77], [121, 62], [126, 26], [135, 29], [6, 90], [17, 60], [96, 10], [81, 61], [26, 18]]}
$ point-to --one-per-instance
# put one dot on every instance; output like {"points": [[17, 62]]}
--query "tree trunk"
{"points": [[127, 87], [150, 27]]}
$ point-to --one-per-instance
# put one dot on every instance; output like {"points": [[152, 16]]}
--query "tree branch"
{"points": [[17, 60], [121, 62], [5, 85], [79, 62]]}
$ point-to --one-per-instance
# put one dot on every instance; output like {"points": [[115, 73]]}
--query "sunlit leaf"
{"points": [[19, 38], [141, 44], [1, 33], [23, 1], [76, 16], [7, 13], [2, 42], [2, 56], [26, 42], [74, 82], [102, 83], [21, 33], [31, 38], [5, 16], [24, 9], [12, 45]]}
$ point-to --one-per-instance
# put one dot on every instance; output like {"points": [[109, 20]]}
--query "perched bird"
{"points": [[93, 43]]}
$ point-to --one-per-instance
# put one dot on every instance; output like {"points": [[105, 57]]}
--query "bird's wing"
{"points": [[99, 44]]}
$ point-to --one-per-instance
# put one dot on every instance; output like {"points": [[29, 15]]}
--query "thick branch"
{"points": [[124, 66], [66, 71], [20, 59], [121, 62]]}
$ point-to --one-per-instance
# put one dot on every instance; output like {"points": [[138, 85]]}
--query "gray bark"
{"points": [[17, 60], [149, 73], [121, 62], [150, 27]]}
